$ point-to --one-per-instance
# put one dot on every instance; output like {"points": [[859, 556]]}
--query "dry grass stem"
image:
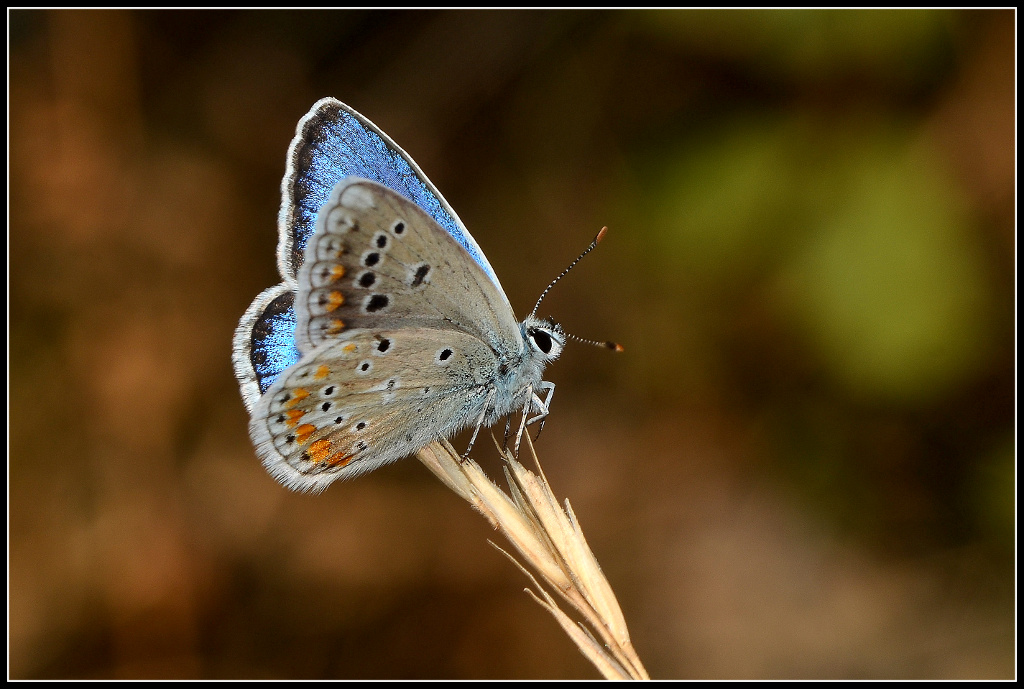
{"points": [[550, 541]]}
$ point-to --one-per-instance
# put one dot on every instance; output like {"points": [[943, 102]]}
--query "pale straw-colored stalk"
{"points": [[550, 541]]}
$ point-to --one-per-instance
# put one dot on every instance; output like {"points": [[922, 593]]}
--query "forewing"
{"points": [[368, 398], [332, 142], [377, 260]]}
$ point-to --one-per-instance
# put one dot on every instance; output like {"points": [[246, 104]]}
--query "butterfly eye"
{"points": [[542, 340]]}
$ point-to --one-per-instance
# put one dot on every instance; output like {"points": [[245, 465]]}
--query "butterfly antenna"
{"points": [[561, 275], [614, 346]]}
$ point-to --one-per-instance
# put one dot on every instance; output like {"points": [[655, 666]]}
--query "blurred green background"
{"points": [[803, 465]]}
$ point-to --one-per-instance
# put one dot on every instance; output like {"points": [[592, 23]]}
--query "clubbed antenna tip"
{"points": [[614, 346]]}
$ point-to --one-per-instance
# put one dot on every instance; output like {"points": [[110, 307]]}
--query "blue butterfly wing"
{"points": [[264, 344], [331, 142]]}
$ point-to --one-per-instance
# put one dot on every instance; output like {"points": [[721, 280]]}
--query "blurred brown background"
{"points": [[802, 466]]}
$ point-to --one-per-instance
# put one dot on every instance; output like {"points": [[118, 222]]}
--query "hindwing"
{"points": [[369, 397]]}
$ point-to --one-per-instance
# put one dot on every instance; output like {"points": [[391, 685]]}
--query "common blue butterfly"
{"points": [[389, 329]]}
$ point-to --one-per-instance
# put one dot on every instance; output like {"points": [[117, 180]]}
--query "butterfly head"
{"points": [[544, 338]]}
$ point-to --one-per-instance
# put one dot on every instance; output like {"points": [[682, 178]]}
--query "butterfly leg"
{"points": [[544, 407], [479, 422], [535, 402], [530, 397], [508, 429]]}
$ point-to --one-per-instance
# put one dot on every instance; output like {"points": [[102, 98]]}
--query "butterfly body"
{"points": [[390, 330]]}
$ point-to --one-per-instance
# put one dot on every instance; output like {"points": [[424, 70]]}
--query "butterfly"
{"points": [[389, 329]]}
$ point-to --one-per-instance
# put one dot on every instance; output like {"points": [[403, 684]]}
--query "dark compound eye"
{"points": [[542, 340]]}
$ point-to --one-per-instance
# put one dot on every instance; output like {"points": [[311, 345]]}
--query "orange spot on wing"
{"points": [[339, 459], [293, 417], [350, 347], [298, 394], [303, 432], [337, 271], [319, 450], [334, 300], [322, 372], [335, 327]]}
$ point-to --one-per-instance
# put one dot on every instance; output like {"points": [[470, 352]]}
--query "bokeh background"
{"points": [[803, 465]]}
